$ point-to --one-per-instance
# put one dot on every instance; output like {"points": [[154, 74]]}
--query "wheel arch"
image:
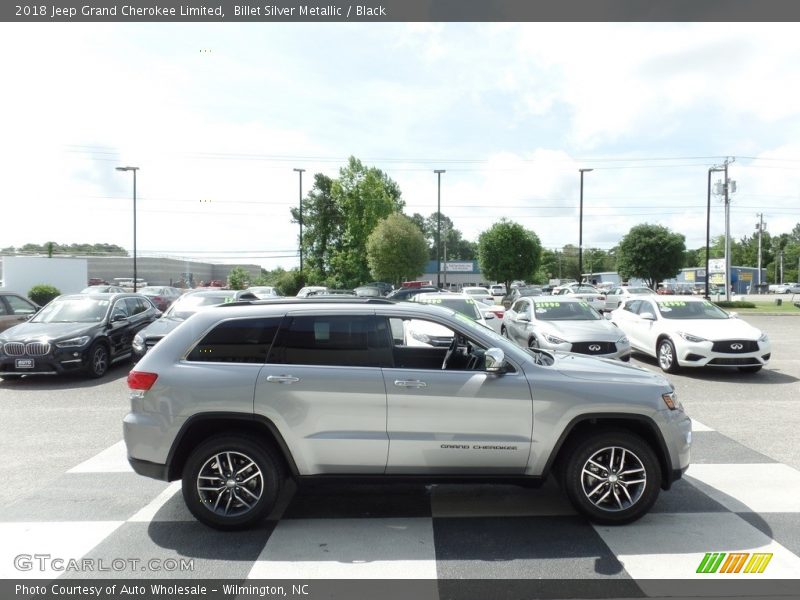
{"points": [[592, 424], [201, 427]]}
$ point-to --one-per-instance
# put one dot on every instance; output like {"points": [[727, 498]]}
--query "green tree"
{"points": [[454, 246], [364, 195], [396, 250], [651, 253], [507, 251], [238, 278], [322, 228], [338, 217]]}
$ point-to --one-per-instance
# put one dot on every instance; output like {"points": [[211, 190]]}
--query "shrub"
{"points": [[43, 293], [736, 304]]}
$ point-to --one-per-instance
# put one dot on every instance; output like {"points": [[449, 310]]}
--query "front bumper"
{"points": [[708, 354], [618, 351], [55, 362]]}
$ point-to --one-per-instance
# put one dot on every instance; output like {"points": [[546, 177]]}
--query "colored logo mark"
{"points": [[734, 562]]}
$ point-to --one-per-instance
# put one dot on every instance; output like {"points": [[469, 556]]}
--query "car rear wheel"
{"points": [[98, 360], [612, 478], [667, 357], [231, 482]]}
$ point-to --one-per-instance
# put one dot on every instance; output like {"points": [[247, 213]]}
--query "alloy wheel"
{"points": [[230, 483], [613, 479]]}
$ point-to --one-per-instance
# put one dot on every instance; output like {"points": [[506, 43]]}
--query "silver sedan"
{"points": [[564, 323]]}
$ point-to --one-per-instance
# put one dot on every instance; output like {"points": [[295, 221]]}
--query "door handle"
{"points": [[415, 383], [282, 379]]}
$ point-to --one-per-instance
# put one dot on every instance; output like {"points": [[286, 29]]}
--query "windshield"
{"points": [[680, 309], [73, 310], [188, 305], [152, 290], [565, 311], [465, 306], [640, 290]]}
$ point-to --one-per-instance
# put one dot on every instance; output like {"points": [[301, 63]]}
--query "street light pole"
{"points": [[134, 169], [300, 204], [439, 227], [580, 230]]}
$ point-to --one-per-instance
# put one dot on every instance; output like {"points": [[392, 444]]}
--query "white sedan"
{"points": [[691, 332], [589, 294]]}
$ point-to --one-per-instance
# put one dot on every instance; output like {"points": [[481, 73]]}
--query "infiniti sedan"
{"points": [[617, 295], [564, 323], [691, 332], [80, 332]]}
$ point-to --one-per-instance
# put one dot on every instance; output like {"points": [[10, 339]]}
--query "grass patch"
{"points": [[767, 306]]}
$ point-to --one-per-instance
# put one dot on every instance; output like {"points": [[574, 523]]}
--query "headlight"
{"points": [[764, 338], [691, 338], [671, 400], [623, 340], [138, 342], [73, 342], [553, 339]]}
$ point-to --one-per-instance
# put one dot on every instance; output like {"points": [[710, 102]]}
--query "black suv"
{"points": [[76, 332]]}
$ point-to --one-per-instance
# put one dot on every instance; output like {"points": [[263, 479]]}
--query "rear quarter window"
{"points": [[237, 341]]}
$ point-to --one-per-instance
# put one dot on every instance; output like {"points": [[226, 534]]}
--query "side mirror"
{"points": [[648, 316], [118, 317], [733, 315], [523, 317], [607, 316], [495, 360], [488, 316]]}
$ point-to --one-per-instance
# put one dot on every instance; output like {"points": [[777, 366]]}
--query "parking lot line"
{"points": [[113, 459]]}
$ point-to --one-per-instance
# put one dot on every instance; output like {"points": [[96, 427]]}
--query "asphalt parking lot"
{"points": [[65, 479]]}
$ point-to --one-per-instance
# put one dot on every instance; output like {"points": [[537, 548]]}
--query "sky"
{"points": [[217, 117]]}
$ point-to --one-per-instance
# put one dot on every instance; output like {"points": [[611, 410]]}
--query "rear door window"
{"points": [[333, 340]]}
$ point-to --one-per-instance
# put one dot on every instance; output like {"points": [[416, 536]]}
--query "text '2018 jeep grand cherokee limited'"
{"points": [[238, 398]]}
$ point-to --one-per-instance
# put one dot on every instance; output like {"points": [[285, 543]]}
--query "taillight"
{"points": [[601, 297], [141, 380], [498, 313]]}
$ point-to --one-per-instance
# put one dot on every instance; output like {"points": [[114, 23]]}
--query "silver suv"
{"points": [[240, 397]]}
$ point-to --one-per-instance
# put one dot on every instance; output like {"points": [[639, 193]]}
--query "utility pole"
{"points": [[300, 208], [708, 225], [580, 229], [781, 255], [445, 255], [760, 226], [439, 227], [728, 188]]}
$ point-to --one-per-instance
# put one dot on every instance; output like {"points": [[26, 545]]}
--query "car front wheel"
{"points": [[667, 357], [231, 482], [612, 478], [98, 360]]}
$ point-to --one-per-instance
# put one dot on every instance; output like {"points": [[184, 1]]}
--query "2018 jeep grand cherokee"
{"points": [[238, 398]]}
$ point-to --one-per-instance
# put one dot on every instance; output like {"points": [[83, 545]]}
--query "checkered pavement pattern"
{"points": [[732, 499]]}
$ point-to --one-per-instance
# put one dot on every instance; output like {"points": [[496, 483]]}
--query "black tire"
{"points": [[503, 332], [666, 356], [533, 343], [98, 360], [753, 369], [259, 484], [602, 497]]}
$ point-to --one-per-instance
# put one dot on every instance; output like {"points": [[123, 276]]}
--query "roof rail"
{"points": [[310, 300]]}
